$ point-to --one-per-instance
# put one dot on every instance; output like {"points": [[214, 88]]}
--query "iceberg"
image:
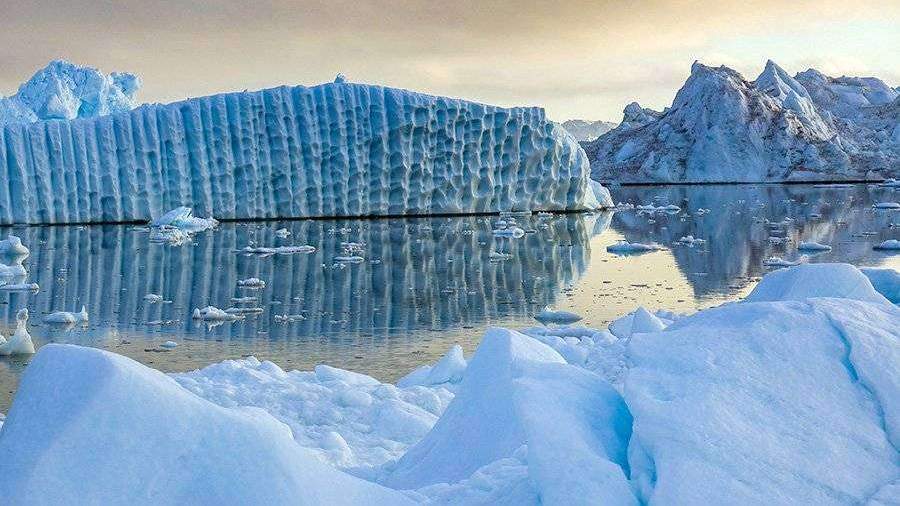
{"points": [[336, 149], [722, 127]]}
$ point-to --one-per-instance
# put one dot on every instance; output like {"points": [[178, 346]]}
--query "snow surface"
{"points": [[789, 397], [336, 149], [65, 91], [92, 427], [724, 128]]}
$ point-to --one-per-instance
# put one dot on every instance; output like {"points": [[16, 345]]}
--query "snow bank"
{"points": [[767, 403], [65, 91], [337, 149], [816, 280], [92, 427], [517, 391]]}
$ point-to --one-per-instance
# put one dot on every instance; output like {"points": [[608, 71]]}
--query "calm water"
{"points": [[425, 283]]}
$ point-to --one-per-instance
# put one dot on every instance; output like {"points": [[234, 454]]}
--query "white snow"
{"points": [[815, 280], [449, 369], [67, 317], [20, 342], [336, 149], [91, 427], [64, 91], [638, 321]]}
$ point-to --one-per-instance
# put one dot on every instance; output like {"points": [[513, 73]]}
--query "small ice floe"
{"points": [[349, 259], [288, 318], [65, 317], [183, 218], [779, 262], [548, 315], [513, 232], [20, 342], [690, 241], [813, 246], [632, 248], [15, 269], [20, 287], [279, 250], [152, 298], [212, 313], [499, 256], [891, 183], [887, 205], [283, 233], [169, 345], [650, 208], [350, 248], [888, 245], [169, 235], [243, 300], [12, 246], [251, 283], [244, 310]]}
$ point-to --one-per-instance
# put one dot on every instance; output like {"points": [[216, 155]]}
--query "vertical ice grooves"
{"points": [[329, 150]]}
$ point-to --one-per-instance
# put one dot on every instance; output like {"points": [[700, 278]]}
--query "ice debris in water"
{"points": [[20, 287], [889, 245], [67, 317], [20, 342], [887, 205], [212, 313], [253, 283], [690, 241], [513, 232], [279, 250], [168, 345], [779, 262], [12, 246], [152, 298], [282, 233], [183, 218], [548, 315], [625, 248], [288, 318], [813, 246]]}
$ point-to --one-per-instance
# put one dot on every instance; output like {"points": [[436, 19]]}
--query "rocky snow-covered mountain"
{"points": [[584, 131], [724, 128]]}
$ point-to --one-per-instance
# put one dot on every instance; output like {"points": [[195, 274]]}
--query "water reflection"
{"points": [[743, 225]]}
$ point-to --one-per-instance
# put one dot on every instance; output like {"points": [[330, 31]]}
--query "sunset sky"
{"points": [[584, 59]]}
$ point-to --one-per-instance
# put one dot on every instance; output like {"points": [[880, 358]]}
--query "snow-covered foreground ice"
{"points": [[790, 397], [336, 149]]}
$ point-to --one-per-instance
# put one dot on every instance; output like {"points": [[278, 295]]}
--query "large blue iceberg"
{"points": [[336, 149]]}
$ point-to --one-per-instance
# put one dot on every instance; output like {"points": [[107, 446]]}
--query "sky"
{"points": [[581, 59]]}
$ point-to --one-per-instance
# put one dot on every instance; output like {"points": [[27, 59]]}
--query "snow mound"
{"points": [[336, 149], [638, 321], [767, 403], [65, 91], [885, 281], [815, 280], [722, 127], [517, 391], [91, 427]]}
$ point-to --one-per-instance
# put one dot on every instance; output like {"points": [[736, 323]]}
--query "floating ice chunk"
{"points": [[279, 250], [779, 262], [449, 369], [690, 241], [254, 283], [630, 248], [638, 321], [891, 183], [12, 246], [169, 235], [889, 245], [813, 246], [885, 281], [20, 287], [514, 232], [16, 269], [288, 318], [67, 317], [153, 298], [212, 313], [244, 300], [349, 259], [815, 280], [548, 315], [183, 218], [282, 233], [887, 205], [499, 256], [20, 342], [104, 429], [244, 310], [169, 345]]}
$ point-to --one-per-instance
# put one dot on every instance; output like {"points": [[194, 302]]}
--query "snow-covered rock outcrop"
{"points": [[62, 90], [724, 128], [337, 149]]}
